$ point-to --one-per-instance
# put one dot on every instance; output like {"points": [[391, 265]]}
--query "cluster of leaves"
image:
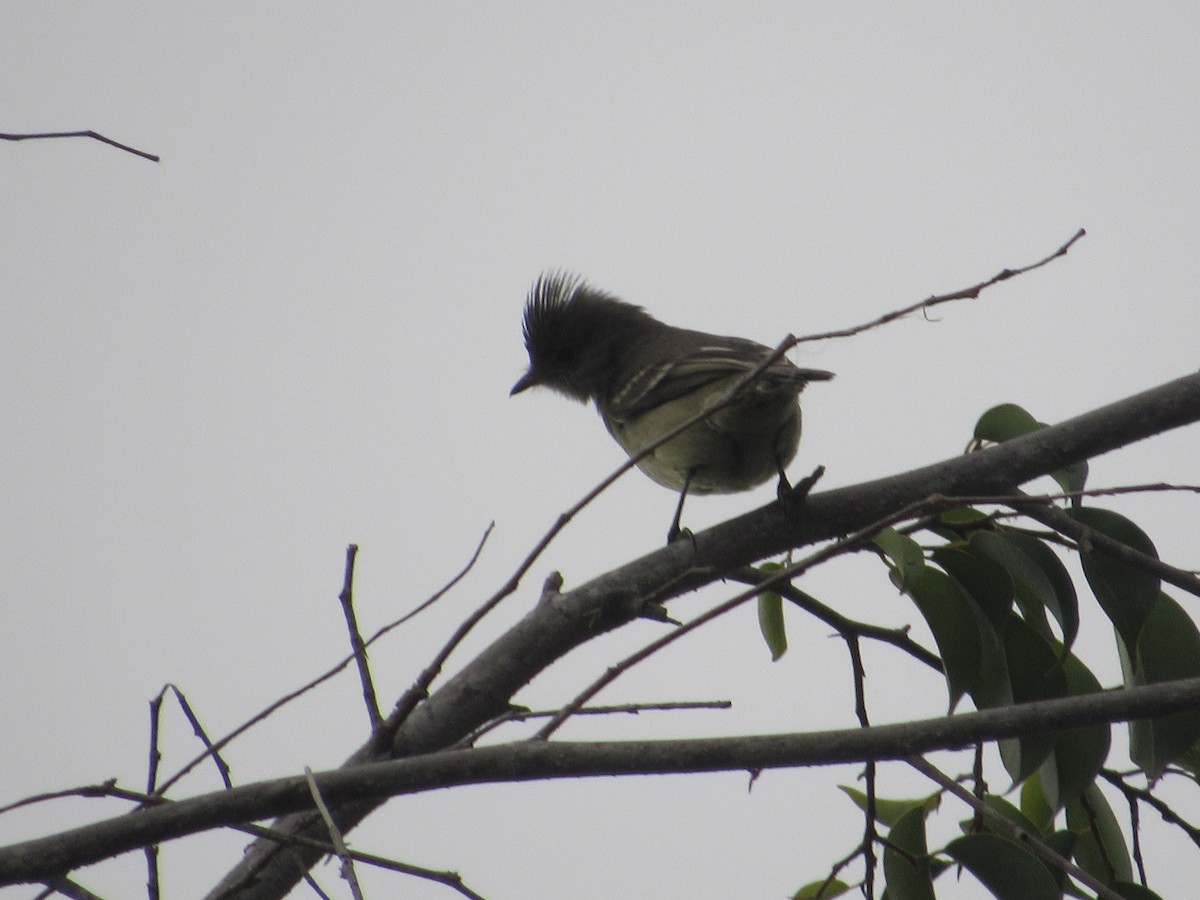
{"points": [[1004, 613]]}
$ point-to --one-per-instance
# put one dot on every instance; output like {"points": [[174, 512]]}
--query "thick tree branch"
{"points": [[44, 858]]}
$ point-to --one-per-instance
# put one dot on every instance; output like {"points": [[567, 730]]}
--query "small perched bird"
{"points": [[647, 378]]}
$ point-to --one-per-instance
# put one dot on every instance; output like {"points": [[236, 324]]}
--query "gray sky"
{"points": [[299, 329]]}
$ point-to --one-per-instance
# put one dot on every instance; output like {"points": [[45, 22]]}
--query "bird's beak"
{"points": [[527, 380]]}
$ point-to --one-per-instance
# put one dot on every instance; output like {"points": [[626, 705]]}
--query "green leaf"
{"points": [[1006, 868], [1031, 586], [1010, 812], [1033, 675], [810, 891], [1063, 602], [955, 624], [952, 523], [985, 580], [889, 812], [770, 622], [903, 554], [1079, 753], [1035, 806], [1124, 593], [1005, 422], [1133, 891], [908, 880], [1101, 851], [1169, 648], [1072, 479]]}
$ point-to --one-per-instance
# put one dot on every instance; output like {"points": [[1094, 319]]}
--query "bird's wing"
{"points": [[710, 359]]}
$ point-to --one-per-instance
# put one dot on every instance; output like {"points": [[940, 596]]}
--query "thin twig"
{"points": [[522, 715], [775, 579], [1061, 522], [870, 834], [87, 134], [1117, 780], [321, 679], [335, 836], [211, 749], [897, 637], [1032, 842], [69, 888], [970, 293], [357, 646], [450, 879], [151, 850]]}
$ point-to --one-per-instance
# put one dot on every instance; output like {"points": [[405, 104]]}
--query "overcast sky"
{"points": [[298, 330]]}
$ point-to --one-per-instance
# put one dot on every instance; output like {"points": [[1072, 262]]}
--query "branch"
{"points": [[87, 134], [483, 688], [45, 858], [1004, 825]]}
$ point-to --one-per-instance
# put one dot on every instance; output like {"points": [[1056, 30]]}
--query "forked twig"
{"points": [[85, 134]]}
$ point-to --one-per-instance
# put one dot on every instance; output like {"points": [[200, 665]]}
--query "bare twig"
{"points": [[151, 851], [210, 749], [970, 293], [522, 715], [1061, 522], [450, 879], [356, 642], [870, 834], [321, 679], [87, 134], [335, 836], [69, 888], [897, 637], [1117, 780], [774, 579]]}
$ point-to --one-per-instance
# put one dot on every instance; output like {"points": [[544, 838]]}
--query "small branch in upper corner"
{"points": [[86, 134], [356, 641], [968, 293]]}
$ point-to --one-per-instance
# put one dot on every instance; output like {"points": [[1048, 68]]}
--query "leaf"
{"points": [[1031, 586], [770, 622], [1079, 753], [1133, 891], [1035, 806], [1169, 648], [985, 580], [1006, 868], [1033, 675], [903, 554], [889, 812], [1063, 602], [1010, 812], [1101, 851], [835, 888], [955, 625], [1124, 593], [908, 880], [952, 523], [1007, 421]]}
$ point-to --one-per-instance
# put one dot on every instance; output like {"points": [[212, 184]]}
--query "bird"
{"points": [[646, 378]]}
